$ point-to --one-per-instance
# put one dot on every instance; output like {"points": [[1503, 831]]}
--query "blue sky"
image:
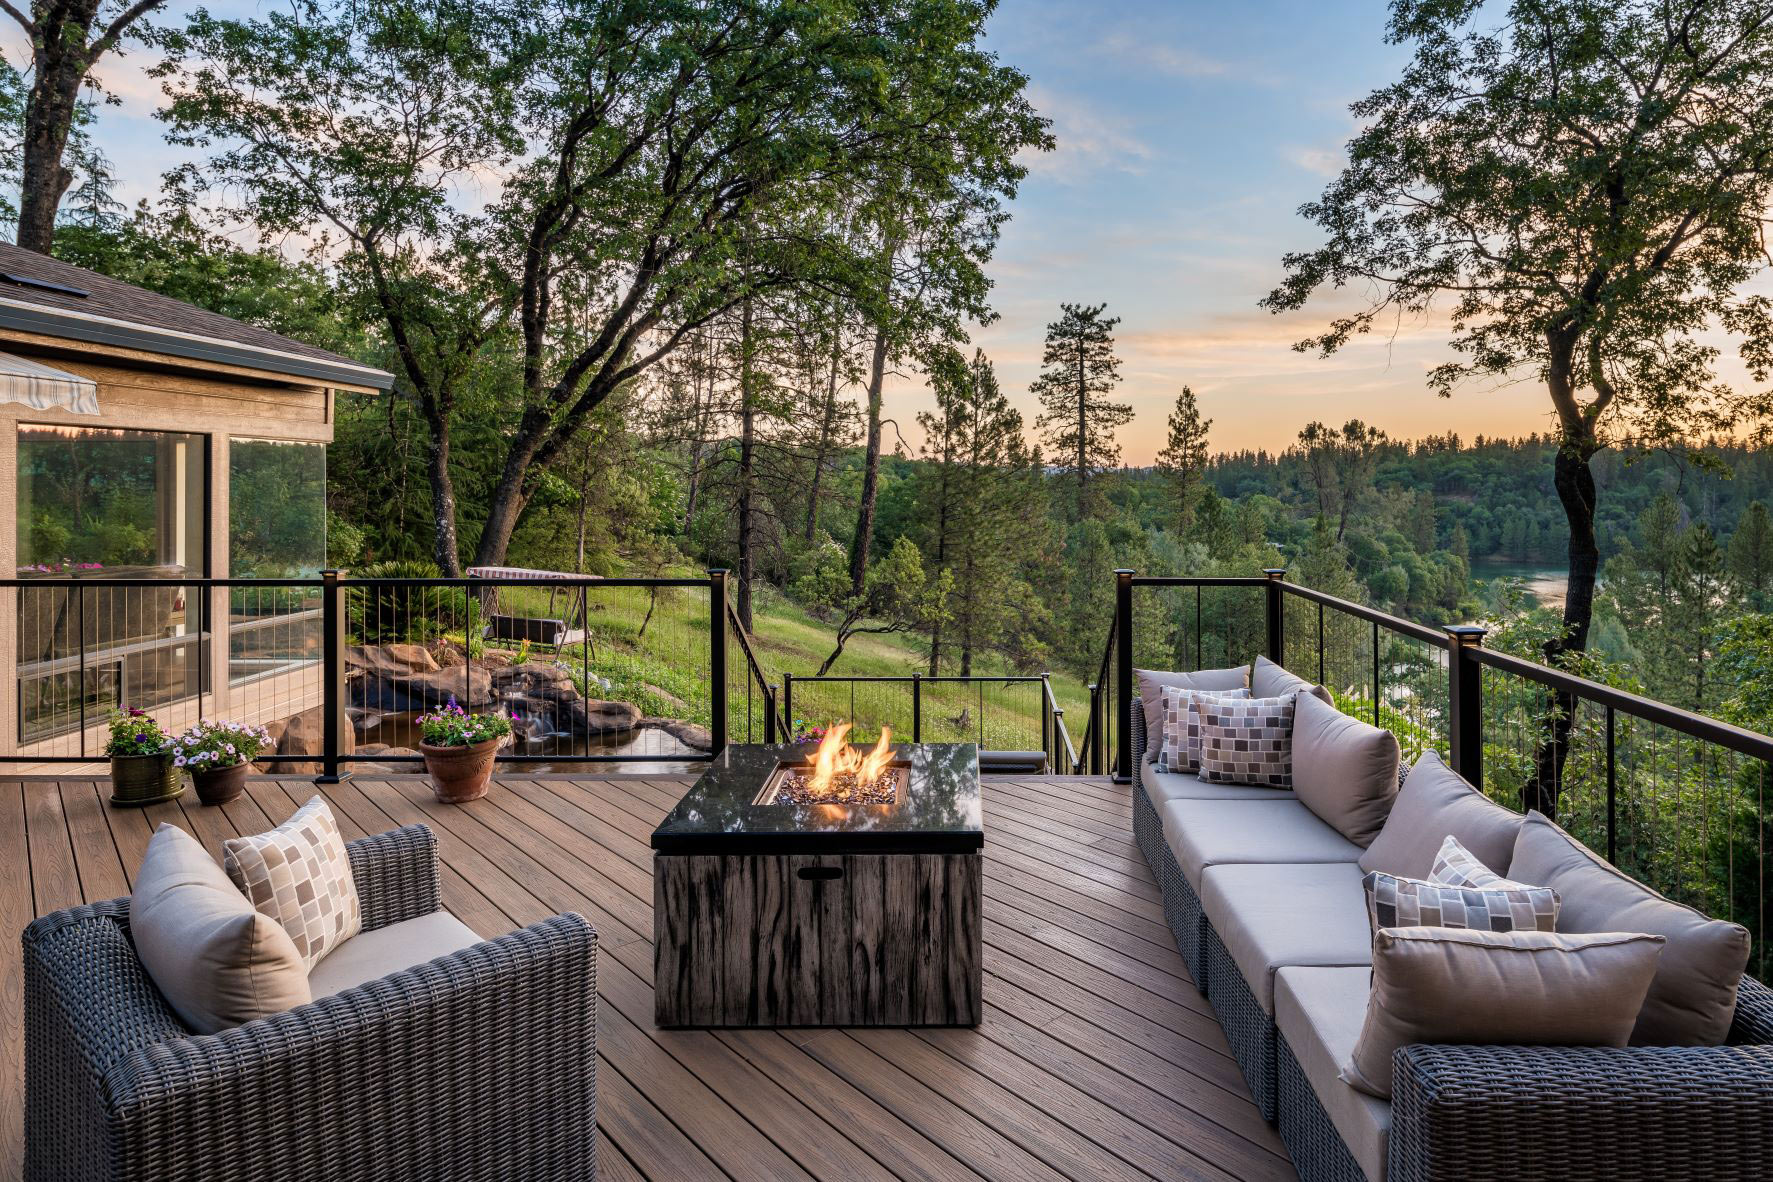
{"points": [[1189, 133]]}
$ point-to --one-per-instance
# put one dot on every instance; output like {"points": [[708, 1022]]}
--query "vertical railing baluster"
{"points": [[917, 707], [1320, 644], [80, 640], [1612, 794], [1375, 672]]}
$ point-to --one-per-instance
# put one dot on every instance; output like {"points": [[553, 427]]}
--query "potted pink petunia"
{"points": [[219, 754], [459, 749]]}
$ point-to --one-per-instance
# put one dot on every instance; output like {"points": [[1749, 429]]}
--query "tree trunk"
{"points": [[1574, 480], [49, 116], [445, 548], [870, 467], [821, 456], [747, 466]]}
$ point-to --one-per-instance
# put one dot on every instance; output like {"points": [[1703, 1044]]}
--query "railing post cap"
{"points": [[1275, 572], [715, 572], [1467, 633], [1125, 571]]}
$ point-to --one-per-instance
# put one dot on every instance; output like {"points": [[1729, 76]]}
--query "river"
{"points": [[1545, 584]]}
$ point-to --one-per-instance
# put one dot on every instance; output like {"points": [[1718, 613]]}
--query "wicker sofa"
{"points": [[1268, 912], [478, 1064]]}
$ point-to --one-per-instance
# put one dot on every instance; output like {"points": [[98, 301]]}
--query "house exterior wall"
{"points": [[147, 392]]}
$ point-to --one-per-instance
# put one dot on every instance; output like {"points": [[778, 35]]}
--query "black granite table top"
{"points": [[937, 812]]}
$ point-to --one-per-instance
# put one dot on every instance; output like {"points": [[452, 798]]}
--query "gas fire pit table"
{"points": [[776, 903]]}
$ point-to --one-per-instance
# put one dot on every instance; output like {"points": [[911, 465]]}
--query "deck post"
{"points": [[917, 707], [1123, 675], [1465, 703], [1277, 613], [332, 677], [717, 626]]}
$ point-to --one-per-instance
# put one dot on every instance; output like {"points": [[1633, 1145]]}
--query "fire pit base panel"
{"points": [[817, 940], [768, 913]]}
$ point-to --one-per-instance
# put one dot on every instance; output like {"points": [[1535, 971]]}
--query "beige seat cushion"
{"points": [[1319, 1012], [216, 960], [1167, 786], [300, 875], [1205, 833], [1693, 996], [1151, 684], [373, 954], [1433, 804], [1344, 770], [1270, 916], [1448, 985], [1268, 680]]}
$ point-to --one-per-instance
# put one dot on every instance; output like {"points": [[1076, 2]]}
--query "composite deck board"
{"points": [[1097, 1057]]}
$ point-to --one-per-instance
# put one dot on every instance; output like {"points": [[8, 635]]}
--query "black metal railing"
{"points": [[595, 670], [1677, 799], [998, 712]]}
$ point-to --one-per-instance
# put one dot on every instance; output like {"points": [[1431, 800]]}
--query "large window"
{"points": [[96, 503], [276, 530], [276, 508], [125, 503]]}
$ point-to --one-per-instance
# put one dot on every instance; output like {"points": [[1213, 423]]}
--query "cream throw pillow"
{"points": [[1450, 985], [217, 961], [300, 876]]}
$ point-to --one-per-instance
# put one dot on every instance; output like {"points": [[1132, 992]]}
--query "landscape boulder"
{"points": [[305, 734], [414, 690], [604, 719]]}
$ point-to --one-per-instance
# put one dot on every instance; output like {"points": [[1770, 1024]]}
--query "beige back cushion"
{"points": [[1433, 804], [1268, 680], [300, 876], [1693, 998], [215, 959], [1447, 985], [1151, 684], [1344, 770]]}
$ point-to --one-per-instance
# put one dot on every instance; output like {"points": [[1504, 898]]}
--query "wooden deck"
{"points": [[1097, 1059]]}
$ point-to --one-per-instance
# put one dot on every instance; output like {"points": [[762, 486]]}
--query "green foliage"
{"points": [[405, 613], [1077, 419]]}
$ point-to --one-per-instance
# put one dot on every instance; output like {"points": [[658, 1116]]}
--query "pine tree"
{"points": [[1184, 457], [974, 503], [1077, 419], [1699, 597], [1751, 554]]}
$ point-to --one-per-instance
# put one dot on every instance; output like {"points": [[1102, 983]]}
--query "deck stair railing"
{"points": [[1673, 797]]}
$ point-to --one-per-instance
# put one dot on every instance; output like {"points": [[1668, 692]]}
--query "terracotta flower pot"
{"points": [[138, 780], [460, 773], [221, 784]]}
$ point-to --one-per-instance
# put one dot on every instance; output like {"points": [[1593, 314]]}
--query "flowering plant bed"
{"points": [[451, 726]]}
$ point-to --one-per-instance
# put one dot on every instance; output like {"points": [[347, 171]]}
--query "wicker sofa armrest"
{"points": [[396, 875], [1753, 1024], [481, 1063], [1647, 1113]]}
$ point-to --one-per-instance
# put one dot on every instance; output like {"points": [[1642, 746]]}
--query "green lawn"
{"points": [[665, 670]]}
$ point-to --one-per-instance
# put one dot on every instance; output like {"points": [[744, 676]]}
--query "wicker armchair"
{"points": [[480, 1064]]}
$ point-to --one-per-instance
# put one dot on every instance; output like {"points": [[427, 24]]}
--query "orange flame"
{"points": [[835, 757]]}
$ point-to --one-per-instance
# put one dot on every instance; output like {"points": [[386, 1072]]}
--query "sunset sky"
{"points": [[1189, 133]]}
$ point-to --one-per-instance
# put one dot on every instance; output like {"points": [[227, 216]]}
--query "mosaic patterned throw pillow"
{"points": [[1180, 749], [1457, 866], [1246, 742], [1395, 902], [300, 876]]}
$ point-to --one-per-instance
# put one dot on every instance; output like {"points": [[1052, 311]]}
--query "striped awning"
{"points": [[42, 388]]}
